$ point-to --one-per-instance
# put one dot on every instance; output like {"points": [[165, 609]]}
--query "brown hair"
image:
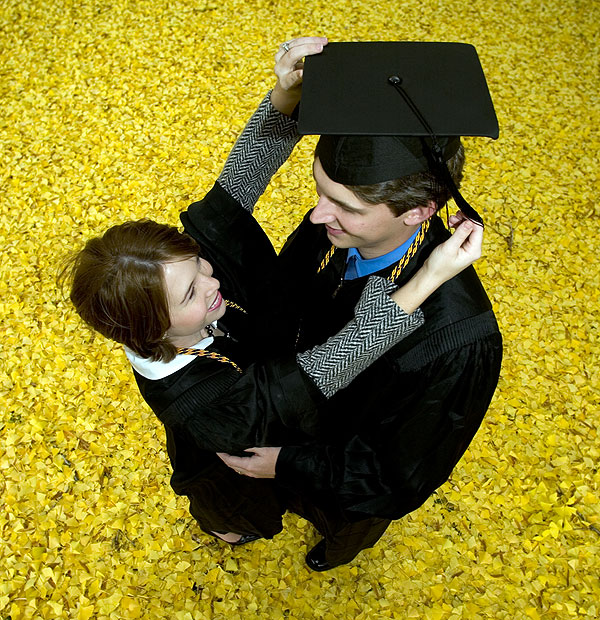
{"points": [[414, 190], [117, 284]]}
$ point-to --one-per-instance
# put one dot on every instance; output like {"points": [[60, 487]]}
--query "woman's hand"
{"points": [[457, 253], [447, 260], [289, 67]]}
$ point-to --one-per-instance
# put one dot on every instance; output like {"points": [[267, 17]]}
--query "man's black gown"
{"points": [[387, 441], [395, 434]]}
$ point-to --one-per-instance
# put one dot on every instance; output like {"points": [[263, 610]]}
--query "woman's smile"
{"points": [[216, 303]]}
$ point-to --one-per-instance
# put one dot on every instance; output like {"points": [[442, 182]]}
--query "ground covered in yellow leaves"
{"points": [[119, 109]]}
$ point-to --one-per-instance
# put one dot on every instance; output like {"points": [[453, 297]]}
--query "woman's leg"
{"points": [[228, 505]]}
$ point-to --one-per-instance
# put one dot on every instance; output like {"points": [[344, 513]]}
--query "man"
{"points": [[398, 430]]}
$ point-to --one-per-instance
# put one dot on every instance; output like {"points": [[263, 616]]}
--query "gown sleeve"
{"points": [[222, 223], [397, 458]]}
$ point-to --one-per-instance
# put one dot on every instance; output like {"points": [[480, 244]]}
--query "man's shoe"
{"points": [[315, 558]]}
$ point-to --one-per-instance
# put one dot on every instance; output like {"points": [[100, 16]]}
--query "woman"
{"points": [[152, 289]]}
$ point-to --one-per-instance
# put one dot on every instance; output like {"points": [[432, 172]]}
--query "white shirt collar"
{"points": [[159, 370]]}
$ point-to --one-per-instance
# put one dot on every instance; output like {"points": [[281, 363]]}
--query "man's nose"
{"points": [[324, 212]]}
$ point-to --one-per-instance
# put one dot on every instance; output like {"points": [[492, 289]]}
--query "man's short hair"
{"points": [[414, 190]]}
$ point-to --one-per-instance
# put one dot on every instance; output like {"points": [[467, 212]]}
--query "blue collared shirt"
{"points": [[357, 266]]}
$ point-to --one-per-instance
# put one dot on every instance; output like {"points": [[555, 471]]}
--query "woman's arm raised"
{"points": [[447, 260], [270, 135]]}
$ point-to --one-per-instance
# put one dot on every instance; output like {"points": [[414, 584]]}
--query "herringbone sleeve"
{"points": [[378, 324], [265, 144]]}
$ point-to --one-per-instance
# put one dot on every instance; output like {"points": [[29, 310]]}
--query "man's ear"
{"points": [[418, 215]]}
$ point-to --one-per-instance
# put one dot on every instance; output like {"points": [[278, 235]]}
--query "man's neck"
{"points": [[388, 245]]}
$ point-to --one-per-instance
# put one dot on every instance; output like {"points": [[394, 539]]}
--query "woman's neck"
{"points": [[194, 339]]}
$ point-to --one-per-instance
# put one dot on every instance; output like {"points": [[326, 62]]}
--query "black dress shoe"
{"points": [[315, 558], [246, 538]]}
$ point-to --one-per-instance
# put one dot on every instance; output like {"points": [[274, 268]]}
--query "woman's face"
{"points": [[194, 300]]}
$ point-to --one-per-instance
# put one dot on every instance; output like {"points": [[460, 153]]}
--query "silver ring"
{"points": [[286, 46]]}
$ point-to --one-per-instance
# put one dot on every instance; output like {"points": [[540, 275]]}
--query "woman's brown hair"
{"points": [[117, 284]]}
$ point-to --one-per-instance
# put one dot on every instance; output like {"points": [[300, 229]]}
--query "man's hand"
{"points": [[260, 465], [289, 68]]}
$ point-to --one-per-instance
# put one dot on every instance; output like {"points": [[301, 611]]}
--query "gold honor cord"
{"points": [[208, 354], [327, 258], [232, 304], [412, 250]]}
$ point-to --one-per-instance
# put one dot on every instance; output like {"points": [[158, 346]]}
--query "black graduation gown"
{"points": [[395, 434], [207, 406]]}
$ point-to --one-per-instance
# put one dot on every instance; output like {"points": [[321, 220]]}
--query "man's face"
{"points": [[352, 223]]}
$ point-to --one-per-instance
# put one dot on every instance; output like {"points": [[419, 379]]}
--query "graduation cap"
{"points": [[385, 110]]}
